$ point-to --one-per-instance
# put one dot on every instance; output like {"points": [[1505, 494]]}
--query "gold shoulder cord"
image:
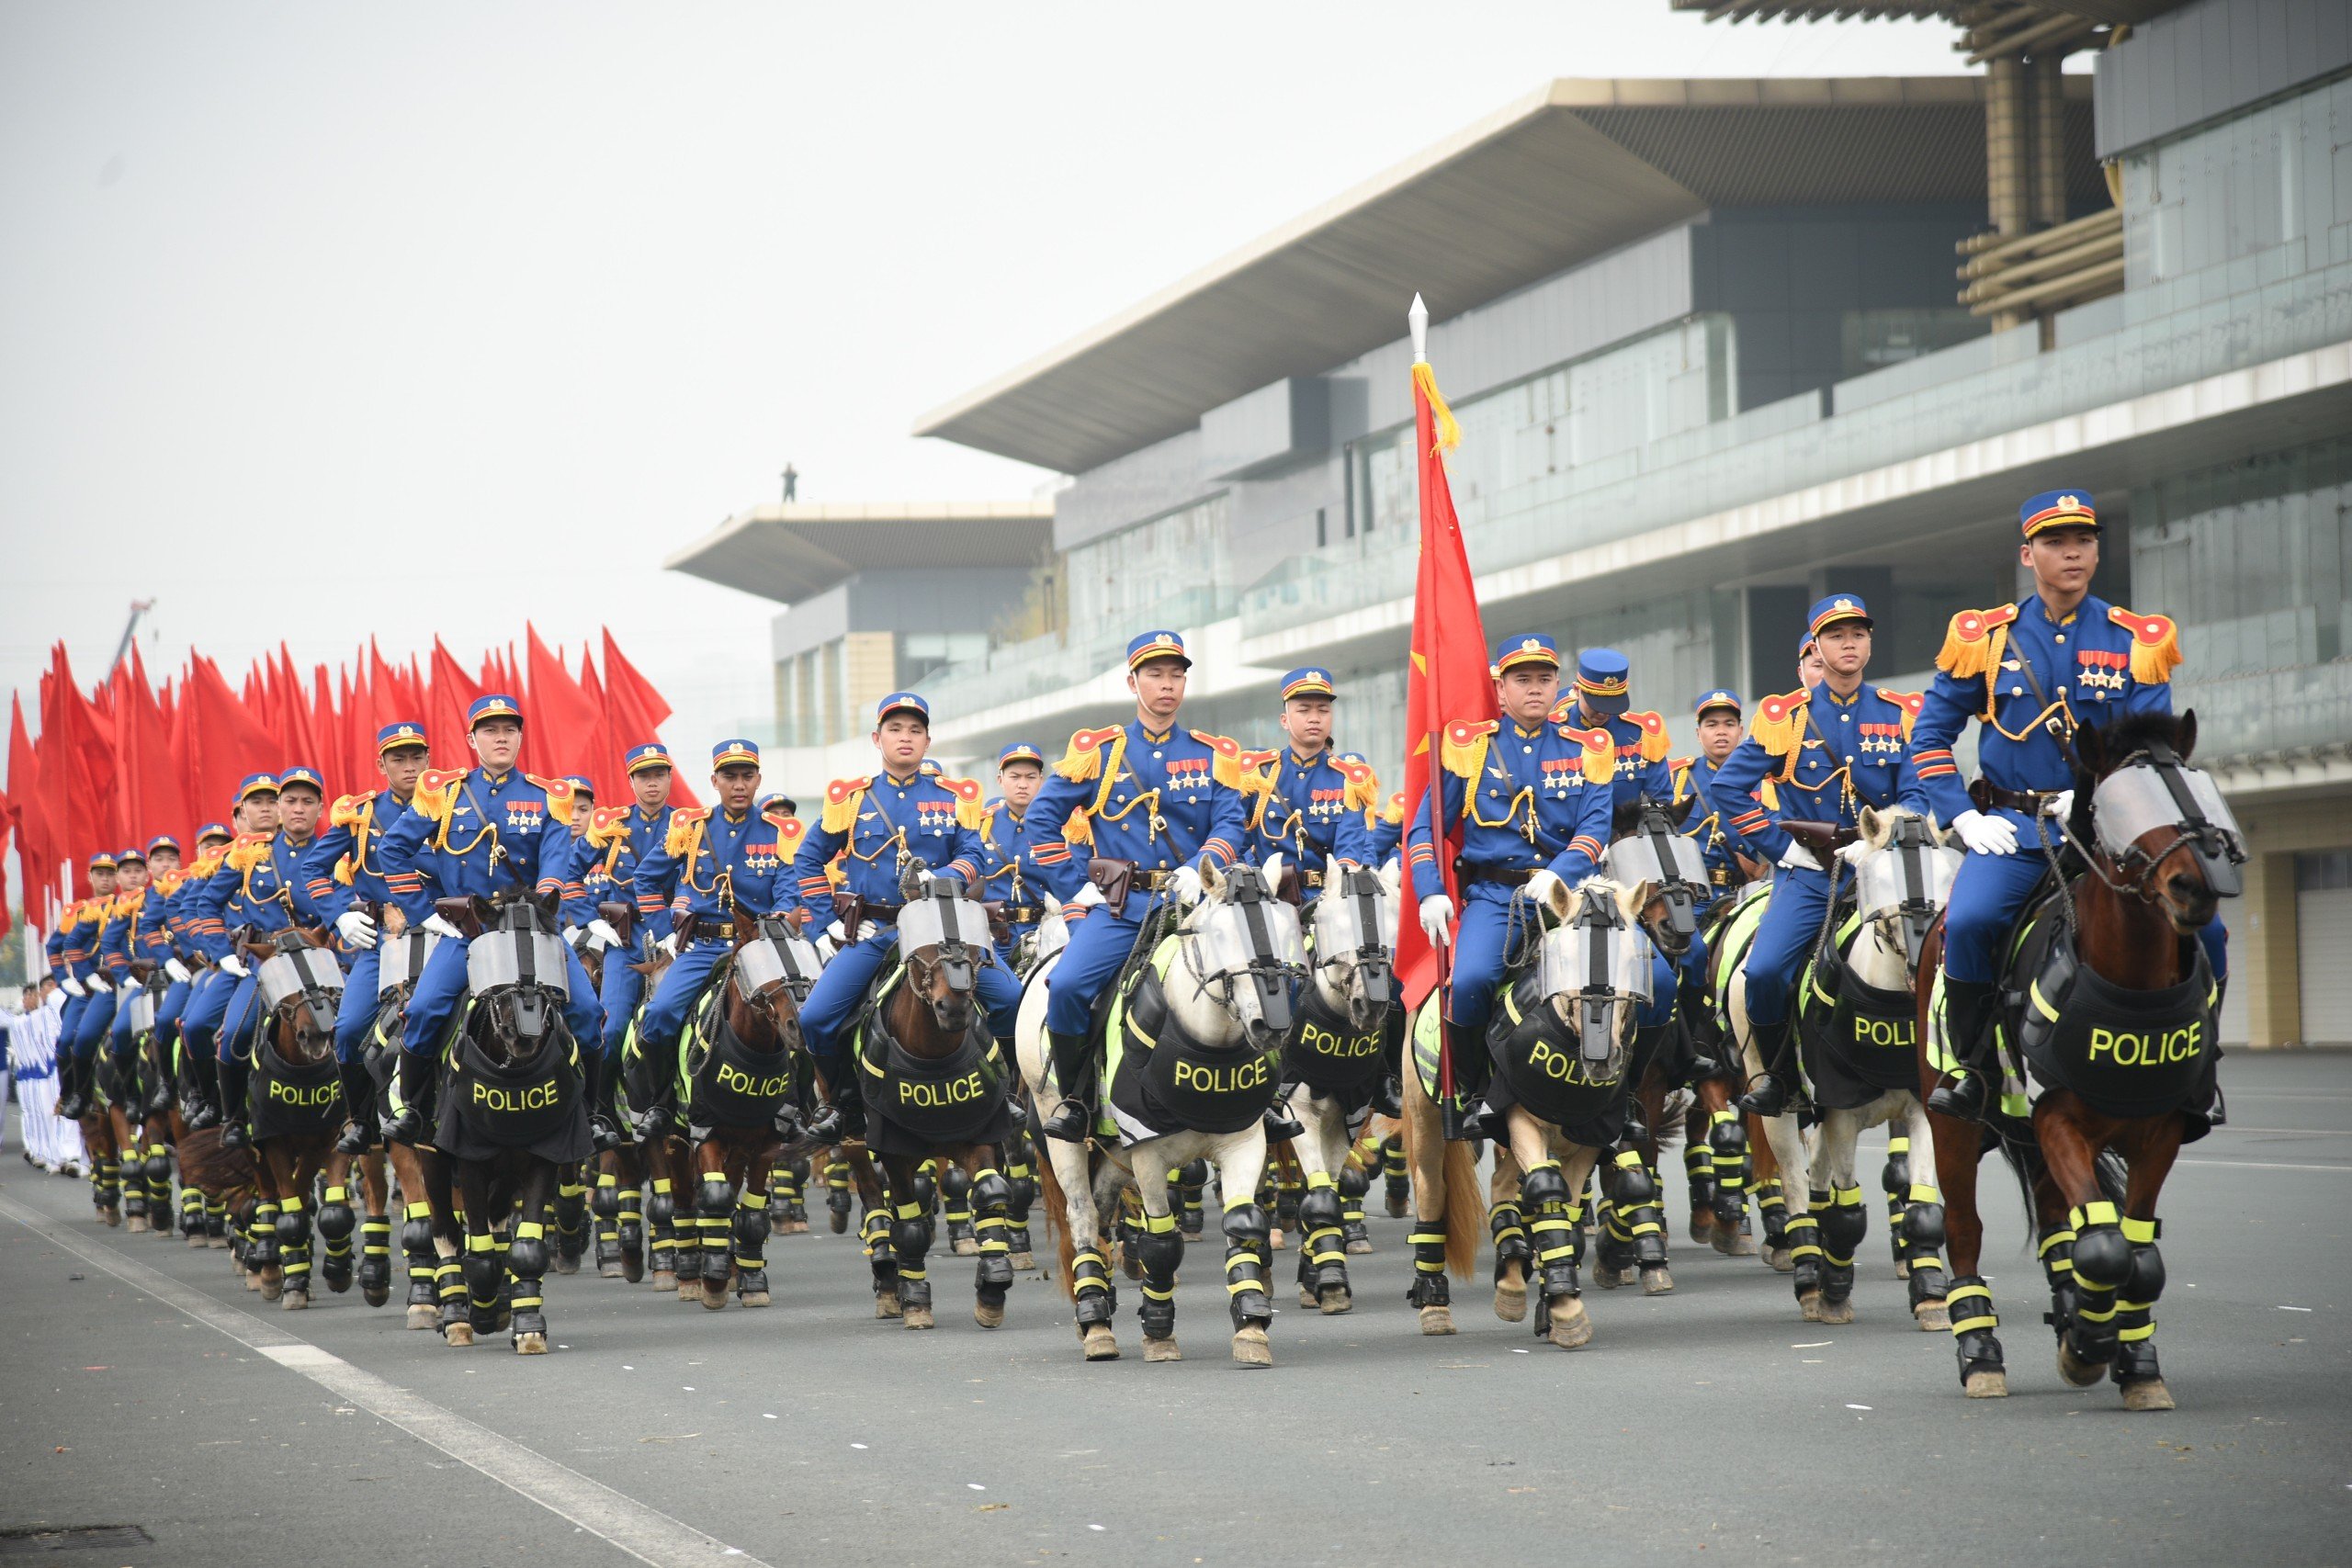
{"points": [[1148, 799], [2061, 708], [1526, 797]]}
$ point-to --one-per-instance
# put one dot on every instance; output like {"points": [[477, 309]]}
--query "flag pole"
{"points": [[1432, 793]]}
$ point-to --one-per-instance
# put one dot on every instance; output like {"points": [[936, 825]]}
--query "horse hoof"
{"points": [[199, 1242], [966, 1248], [988, 1314], [1250, 1348], [754, 1298], [1809, 1306], [838, 1221], [2149, 1394], [566, 1265], [135, 1225], [610, 1269], [375, 1295], [1358, 1248], [918, 1317], [690, 1290], [1437, 1320], [886, 1306], [1836, 1311], [1986, 1385], [1703, 1226], [1273, 1237], [2082, 1374], [1609, 1279], [1336, 1299], [1780, 1259], [252, 1281], [1901, 1271], [1571, 1326], [1099, 1343], [218, 1243], [793, 1227], [1306, 1296], [1396, 1206], [664, 1281], [1130, 1262], [271, 1289], [293, 1301], [1192, 1235], [460, 1333], [1510, 1300], [530, 1344], [1161, 1350], [422, 1317], [714, 1297], [1022, 1262], [1932, 1318], [1657, 1281]]}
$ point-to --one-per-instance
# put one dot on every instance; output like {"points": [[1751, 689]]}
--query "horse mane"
{"points": [[2131, 732]]}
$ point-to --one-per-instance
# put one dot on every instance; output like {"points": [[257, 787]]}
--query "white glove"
{"points": [[668, 946], [571, 935], [1437, 915], [2062, 805], [176, 970], [1185, 883], [440, 927], [601, 935], [1986, 835], [233, 965], [1089, 894], [72, 987], [1855, 853], [1796, 857], [924, 877], [1540, 885], [98, 982], [357, 929]]}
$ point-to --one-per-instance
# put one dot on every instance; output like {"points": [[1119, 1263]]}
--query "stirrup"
{"points": [[354, 1140], [1960, 1097], [1070, 1121], [653, 1123], [603, 1133], [1765, 1097], [235, 1135]]}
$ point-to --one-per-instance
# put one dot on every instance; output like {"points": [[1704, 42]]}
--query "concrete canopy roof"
{"points": [[1575, 169], [791, 551]]}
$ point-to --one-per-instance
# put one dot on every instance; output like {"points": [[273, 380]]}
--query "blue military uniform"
{"points": [[618, 845], [2029, 679], [136, 929], [1693, 796], [1529, 797], [1009, 873], [254, 886], [1603, 690], [344, 869], [1309, 810], [1826, 757], [878, 825], [477, 834], [77, 958], [179, 913]]}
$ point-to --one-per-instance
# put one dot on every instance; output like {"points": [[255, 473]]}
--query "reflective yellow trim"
{"points": [[2139, 1231], [1922, 1194], [1970, 1324]]}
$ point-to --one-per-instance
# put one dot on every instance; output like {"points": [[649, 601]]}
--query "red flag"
{"points": [[83, 780], [28, 809], [634, 712], [151, 787], [606, 762], [445, 716], [226, 740], [393, 694], [561, 720], [1447, 681]]}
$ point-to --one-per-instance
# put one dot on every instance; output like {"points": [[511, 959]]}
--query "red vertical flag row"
{"points": [[130, 760]]}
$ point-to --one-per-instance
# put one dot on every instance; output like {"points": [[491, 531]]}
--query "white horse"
{"points": [[1225, 976], [1904, 875]]}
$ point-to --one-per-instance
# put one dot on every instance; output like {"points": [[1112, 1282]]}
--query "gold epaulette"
{"points": [[437, 791], [1970, 645], [2156, 644], [1083, 761], [1654, 744], [971, 807], [348, 810], [1227, 768], [1363, 788], [685, 827], [1909, 702], [787, 834], [1077, 828], [249, 850], [1774, 727], [1598, 763], [343, 873], [840, 804], [1463, 751], [607, 826], [560, 796], [1258, 773]]}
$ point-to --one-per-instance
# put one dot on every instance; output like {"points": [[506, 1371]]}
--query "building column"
{"points": [[2009, 187], [2265, 960], [2049, 141]]}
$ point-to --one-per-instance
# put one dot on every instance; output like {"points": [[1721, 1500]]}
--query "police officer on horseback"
{"points": [[1533, 792], [1827, 751], [1155, 803], [2029, 673], [490, 830], [614, 869], [883, 826], [73, 960], [1009, 875]]}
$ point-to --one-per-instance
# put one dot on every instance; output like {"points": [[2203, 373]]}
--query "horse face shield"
{"points": [[2159, 794], [1351, 922], [1908, 881], [1595, 972], [1655, 854], [1253, 942], [520, 959], [775, 958], [956, 928], [308, 973]]}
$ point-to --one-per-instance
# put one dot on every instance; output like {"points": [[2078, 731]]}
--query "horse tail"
{"points": [[1465, 1214], [1057, 1217]]}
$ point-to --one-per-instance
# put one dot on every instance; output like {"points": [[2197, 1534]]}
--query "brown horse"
{"points": [[296, 1106], [2118, 943]]}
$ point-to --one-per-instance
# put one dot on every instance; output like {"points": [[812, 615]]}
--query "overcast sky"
{"points": [[323, 319]]}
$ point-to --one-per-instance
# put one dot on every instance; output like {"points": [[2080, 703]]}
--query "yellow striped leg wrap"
{"points": [[1971, 1307], [1802, 1229], [1844, 1198], [1552, 1239], [1392, 1158], [1632, 1160], [991, 1226], [376, 1236], [1089, 1271], [837, 1174], [1324, 1244], [450, 1279], [1504, 1220], [1428, 1241], [526, 1230]]}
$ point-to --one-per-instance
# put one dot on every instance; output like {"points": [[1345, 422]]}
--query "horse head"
{"points": [[1353, 969], [517, 971], [1243, 949], [2160, 826], [1648, 851], [1593, 967], [770, 976], [300, 987], [1901, 882], [944, 940]]}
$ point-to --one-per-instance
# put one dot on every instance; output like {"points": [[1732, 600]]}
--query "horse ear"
{"points": [[1632, 901], [1053, 905], [1874, 827], [2184, 739], [1211, 876], [260, 951], [1562, 899], [1272, 870]]}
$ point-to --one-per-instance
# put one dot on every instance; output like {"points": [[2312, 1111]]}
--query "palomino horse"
{"points": [[934, 1088], [295, 1107], [1195, 1032], [1333, 1058], [512, 1114], [736, 1069], [1854, 1029], [1562, 1043], [2110, 1003]]}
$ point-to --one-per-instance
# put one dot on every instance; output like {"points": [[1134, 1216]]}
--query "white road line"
{"points": [[2261, 1165], [646, 1534]]}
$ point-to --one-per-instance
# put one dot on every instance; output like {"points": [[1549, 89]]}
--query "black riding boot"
{"points": [[360, 1104], [1768, 1095], [236, 1132], [603, 1116], [1476, 1119], [1074, 1071], [196, 1089], [1968, 1013], [1279, 1122], [406, 1125], [655, 1122], [74, 1102]]}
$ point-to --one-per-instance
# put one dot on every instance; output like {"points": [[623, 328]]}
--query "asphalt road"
{"points": [[141, 1385]]}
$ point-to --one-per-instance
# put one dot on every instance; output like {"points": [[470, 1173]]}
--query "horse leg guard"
{"points": [[1353, 1185], [1640, 1212], [376, 1259], [1844, 1223], [417, 1247], [571, 1225], [2102, 1264], [1322, 1247], [1557, 1237], [1094, 1300], [660, 1220], [1396, 1175], [606, 1203], [752, 1227], [159, 1179], [955, 1208], [2135, 1317], [1921, 1234], [485, 1283], [926, 1187], [715, 1203], [1895, 1180], [1699, 1170], [874, 1235], [1727, 1143], [796, 1188], [261, 1238], [1288, 1189], [1022, 1184], [216, 1220], [337, 1219], [989, 1194], [1508, 1228], [1430, 1288], [2057, 1254], [1191, 1178], [629, 1227], [294, 1245], [837, 1194], [910, 1236], [192, 1212], [1982, 1371], [1804, 1231], [526, 1259], [1247, 1230], [1162, 1248], [449, 1286]]}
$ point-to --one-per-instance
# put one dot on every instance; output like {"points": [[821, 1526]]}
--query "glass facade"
{"points": [[1128, 578], [2274, 176]]}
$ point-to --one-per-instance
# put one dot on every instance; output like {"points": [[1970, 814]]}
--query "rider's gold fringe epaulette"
{"points": [[1911, 703], [249, 850], [343, 871], [560, 797], [436, 793], [1083, 761], [971, 801], [2156, 644], [840, 804], [1258, 775], [1598, 763], [1654, 742], [607, 825], [1774, 727], [1970, 646], [685, 827], [1227, 768], [350, 809], [1362, 792], [1078, 829], [1393, 812], [1463, 751]]}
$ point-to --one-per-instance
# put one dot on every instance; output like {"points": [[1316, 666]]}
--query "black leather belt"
{"points": [[1023, 914], [2033, 803], [1153, 881], [1489, 874], [709, 929]]}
